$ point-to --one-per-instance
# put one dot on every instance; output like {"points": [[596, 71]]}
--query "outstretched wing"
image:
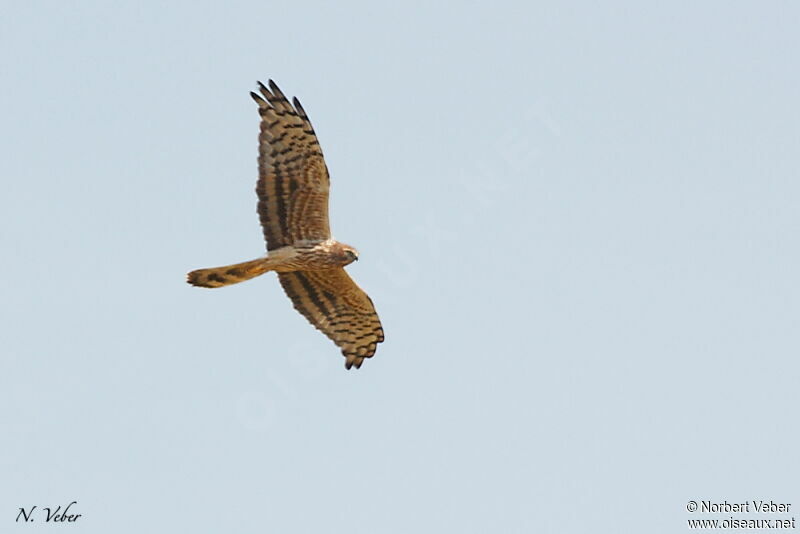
{"points": [[336, 306], [293, 179]]}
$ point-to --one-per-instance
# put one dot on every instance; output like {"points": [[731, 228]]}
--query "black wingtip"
{"points": [[277, 91], [260, 101]]}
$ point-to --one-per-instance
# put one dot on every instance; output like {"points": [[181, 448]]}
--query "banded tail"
{"points": [[229, 274]]}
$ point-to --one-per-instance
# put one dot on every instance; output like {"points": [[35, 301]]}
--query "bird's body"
{"points": [[292, 190], [309, 256]]}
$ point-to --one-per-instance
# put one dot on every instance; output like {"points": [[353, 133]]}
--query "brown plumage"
{"points": [[292, 194]]}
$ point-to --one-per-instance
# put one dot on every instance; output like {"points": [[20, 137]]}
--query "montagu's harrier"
{"points": [[292, 193]]}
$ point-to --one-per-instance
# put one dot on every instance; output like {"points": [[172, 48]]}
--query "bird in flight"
{"points": [[292, 189]]}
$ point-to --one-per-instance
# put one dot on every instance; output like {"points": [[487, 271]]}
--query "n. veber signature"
{"points": [[50, 515]]}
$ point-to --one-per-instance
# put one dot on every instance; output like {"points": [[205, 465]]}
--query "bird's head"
{"points": [[348, 254]]}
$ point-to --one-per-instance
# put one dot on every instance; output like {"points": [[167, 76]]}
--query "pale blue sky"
{"points": [[579, 224]]}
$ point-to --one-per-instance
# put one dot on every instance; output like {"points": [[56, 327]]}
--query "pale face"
{"points": [[351, 255]]}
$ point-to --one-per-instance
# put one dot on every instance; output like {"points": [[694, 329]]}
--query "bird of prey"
{"points": [[292, 191]]}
